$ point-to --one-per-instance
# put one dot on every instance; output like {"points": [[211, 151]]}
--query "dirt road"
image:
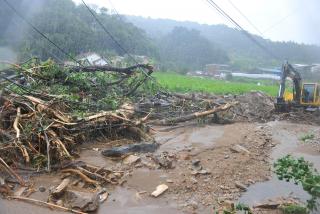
{"points": [[203, 166]]}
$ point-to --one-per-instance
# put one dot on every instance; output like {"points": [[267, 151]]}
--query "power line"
{"points": [[118, 44], [280, 21], [43, 48], [38, 31], [105, 29], [238, 27], [246, 18]]}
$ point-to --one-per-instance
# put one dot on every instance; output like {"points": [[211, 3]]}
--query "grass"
{"points": [[294, 209], [308, 136], [181, 83]]}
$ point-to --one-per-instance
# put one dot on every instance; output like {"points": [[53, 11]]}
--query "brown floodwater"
{"points": [[287, 135], [134, 196]]}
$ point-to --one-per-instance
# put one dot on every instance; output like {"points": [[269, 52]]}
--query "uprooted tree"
{"points": [[47, 109]]}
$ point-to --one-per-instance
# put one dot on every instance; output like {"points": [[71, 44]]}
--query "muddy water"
{"points": [[287, 135], [197, 137], [134, 196]]}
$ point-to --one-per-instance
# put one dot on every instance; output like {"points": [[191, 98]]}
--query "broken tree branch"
{"points": [[11, 172], [49, 205], [128, 70], [17, 140], [192, 116], [83, 176]]}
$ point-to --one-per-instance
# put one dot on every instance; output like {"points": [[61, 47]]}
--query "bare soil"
{"points": [[206, 168]]}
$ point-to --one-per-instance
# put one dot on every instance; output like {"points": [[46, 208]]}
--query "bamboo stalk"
{"points": [[49, 205]]}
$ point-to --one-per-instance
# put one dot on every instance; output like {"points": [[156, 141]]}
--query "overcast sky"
{"points": [[281, 20]]}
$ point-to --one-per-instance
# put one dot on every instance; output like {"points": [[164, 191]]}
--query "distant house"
{"points": [[91, 58], [216, 69], [269, 70], [315, 68]]}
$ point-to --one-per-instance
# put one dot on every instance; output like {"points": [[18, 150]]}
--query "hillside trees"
{"points": [[184, 50], [71, 27]]}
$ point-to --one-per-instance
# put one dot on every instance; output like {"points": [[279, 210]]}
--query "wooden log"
{"points": [[128, 70], [192, 116]]}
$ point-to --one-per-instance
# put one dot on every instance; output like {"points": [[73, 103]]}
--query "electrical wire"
{"points": [[245, 17], [121, 47], [241, 29], [38, 31], [280, 21], [43, 48]]}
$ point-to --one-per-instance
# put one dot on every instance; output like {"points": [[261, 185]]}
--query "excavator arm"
{"points": [[289, 71]]}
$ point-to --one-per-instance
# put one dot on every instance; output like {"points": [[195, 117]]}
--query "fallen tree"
{"points": [[129, 70], [175, 120]]}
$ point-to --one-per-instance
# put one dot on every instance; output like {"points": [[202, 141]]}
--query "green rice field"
{"points": [[181, 83]]}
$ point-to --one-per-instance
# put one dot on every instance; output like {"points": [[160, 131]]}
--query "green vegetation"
{"points": [[308, 136], [173, 45], [183, 50], [181, 83], [294, 209], [300, 171], [87, 91], [71, 27], [243, 54]]}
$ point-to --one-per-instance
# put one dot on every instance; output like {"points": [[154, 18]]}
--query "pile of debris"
{"points": [[255, 106], [48, 110], [249, 107]]}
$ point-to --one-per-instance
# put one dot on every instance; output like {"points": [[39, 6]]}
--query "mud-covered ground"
{"points": [[205, 167]]}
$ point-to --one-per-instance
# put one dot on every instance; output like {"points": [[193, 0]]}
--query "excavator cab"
{"points": [[310, 94]]}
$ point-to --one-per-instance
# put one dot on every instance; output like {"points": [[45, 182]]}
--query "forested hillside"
{"points": [[71, 27], [173, 45], [241, 51], [183, 49]]}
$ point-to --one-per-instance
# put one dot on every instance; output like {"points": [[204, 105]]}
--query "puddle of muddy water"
{"points": [[288, 137], [123, 201], [197, 137]]}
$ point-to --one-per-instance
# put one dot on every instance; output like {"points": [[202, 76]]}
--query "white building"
{"points": [[91, 59]]}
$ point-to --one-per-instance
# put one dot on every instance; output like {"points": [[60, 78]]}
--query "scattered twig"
{"points": [[12, 173], [49, 205]]}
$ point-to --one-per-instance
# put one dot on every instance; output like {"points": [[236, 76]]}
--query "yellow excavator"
{"points": [[303, 94]]}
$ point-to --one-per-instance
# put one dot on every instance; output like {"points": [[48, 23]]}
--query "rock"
{"points": [[240, 186], [122, 150], [131, 159], [196, 162], [59, 203], [228, 205], [184, 156], [159, 190], [239, 149], [85, 201], [226, 156], [2, 181], [164, 160], [268, 205], [194, 181], [169, 181], [193, 204], [19, 191], [200, 172], [251, 181], [42, 189], [103, 197]]}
